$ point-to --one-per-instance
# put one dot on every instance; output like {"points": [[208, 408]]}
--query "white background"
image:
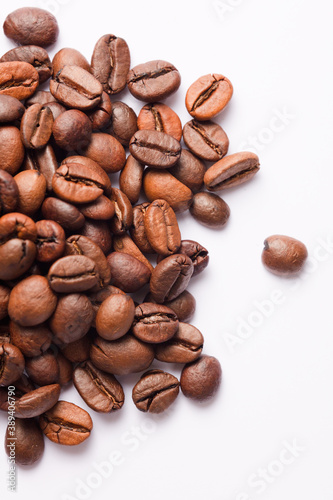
{"points": [[277, 385]]}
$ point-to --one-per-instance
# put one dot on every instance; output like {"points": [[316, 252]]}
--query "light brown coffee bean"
{"points": [[32, 188], [18, 79], [231, 171], [283, 255], [161, 184], [160, 117], [208, 96], [161, 228], [115, 316]]}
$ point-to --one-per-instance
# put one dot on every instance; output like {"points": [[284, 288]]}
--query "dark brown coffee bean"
{"points": [[208, 96], [11, 148], [97, 298], [106, 151], [231, 171], [137, 229], [160, 117], [115, 316], [184, 347], [100, 116], [161, 228], [18, 79], [197, 253], [170, 277], [31, 340], [130, 179], [123, 217], [82, 160], [11, 109], [128, 273], [11, 364], [16, 256], [76, 88], [34, 55], [122, 356], [72, 318], [154, 323], [101, 209], [31, 186], [4, 299], [283, 255], [100, 391], [29, 441], [155, 149], [77, 183], [66, 424], [56, 109], [36, 402], [153, 81], [65, 214], [201, 379], [8, 192], [123, 123], [184, 305], [72, 130], [207, 140], [155, 391], [69, 57], [124, 244], [31, 301], [78, 351], [36, 126], [210, 210], [73, 273], [40, 97], [65, 370], [50, 240], [30, 25], [44, 161], [161, 184], [110, 63], [189, 170], [100, 233]]}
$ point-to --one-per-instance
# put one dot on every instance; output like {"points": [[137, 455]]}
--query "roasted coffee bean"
{"points": [[66, 424], [8, 192], [44, 161], [76, 88], [18, 79], [170, 277], [100, 391], [101, 209], [11, 148], [124, 244], [123, 123], [184, 347], [154, 323], [72, 130], [160, 117], [201, 379], [207, 140], [77, 183], [38, 401], [65, 369], [34, 55], [40, 97], [100, 116], [122, 356], [189, 170], [208, 96], [43, 369], [17, 225], [153, 81], [115, 316], [100, 233], [72, 318], [73, 273], [197, 253], [210, 210], [36, 126], [82, 160], [155, 149], [11, 109], [31, 186], [29, 441], [31, 340], [283, 255], [128, 273], [110, 63], [130, 179], [123, 217], [50, 240], [97, 298], [31, 301], [69, 57], [56, 109], [4, 299], [184, 305], [137, 229], [65, 214], [106, 151], [78, 351], [11, 364], [231, 171], [161, 184], [16, 256], [30, 25], [161, 228], [155, 391]]}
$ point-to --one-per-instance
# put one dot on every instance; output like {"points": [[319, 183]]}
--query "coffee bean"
{"points": [[4, 299], [50, 240], [184, 305], [8, 193], [31, 186], [201, 379], [31, 340], [231, 171], [36, 126], [115, 316], [66, 424], [72, 317], [123, 123], [155, 149], [170, 277], [189, 170], [29, 441], [155, 391], [106, 151], [137, 229], [69, 57], [72, 130], [11, 109], [18, 79], [78, 351], [40, 97], [100, 391], [11, 364], [153, 81], [124, 244], [123, 217], [130, 179], [38, 401], [210, 210], [128, 273], [101, 209], [184, 347], [100, 116], [208, 96], [207, 140], [11, 148], [34, 55], [73, 273], [160, 117], [30, 25], [161, 228], [17, 225], [283, 255], [43, 369], [197, 253], [97, 298], [65, 214], [161, 184], [82, 160], [44, 161], [100, 233], [16, 257], [154, 323], [56, 109], [77, 183]]}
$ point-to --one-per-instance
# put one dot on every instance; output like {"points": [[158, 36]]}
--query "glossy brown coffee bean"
{"points": [[170, 277], [160, 117], [161, 184], [208, 96], [34, 55], [72, 130], [76, 88], [197, 253], [184, 305], [123, 216], [123, 356], [154, 323], [87, 162], [231, 171], [12, 364], [153, 81], [207, 140], [137, 230], [130, 179], [4, 299], [66, 424], [78, 351], [30, 25], [283, 255], [100, 116], [16, 257], [155, 391], [17, 225], [128, 273], [11, 109], [100, 391], [11, 149], [56, 109], [36, 126], [69, 57], [65, 214], [73, 273], [189, 170], [32, 188], [38, 401], [72, 318], [115, 316], [44, 161], [99, 232], [50, 241], [8, 193], [210, 210], [106, 151], [31, 340], [161, 228], [110, 63], [18, 79], [201, 379], [31, 301], [97, 298], [184, 347], [43, 369], [29, 441], [155, 149], [77, 183], [101, 209], [124, 244], [123, 123], [40, 97]]}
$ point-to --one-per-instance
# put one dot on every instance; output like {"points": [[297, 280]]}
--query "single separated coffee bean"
{"points": [[29, 441], [153, 81], [160, 117], [18, 79], [231, 171], [170, 277], [210, 210], [11, 109], [34, 403], [184, 347], [154, 323], [161, 184], [207, 140], [201, 379], [155, 391], [161, 228], [73, 273], [34, 55], [11, 364], [283, 255], [155, 149], [31, 26], [208, 96]]}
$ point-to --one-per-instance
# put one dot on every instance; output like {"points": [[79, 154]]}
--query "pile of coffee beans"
{"points": [[73, 247]]}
